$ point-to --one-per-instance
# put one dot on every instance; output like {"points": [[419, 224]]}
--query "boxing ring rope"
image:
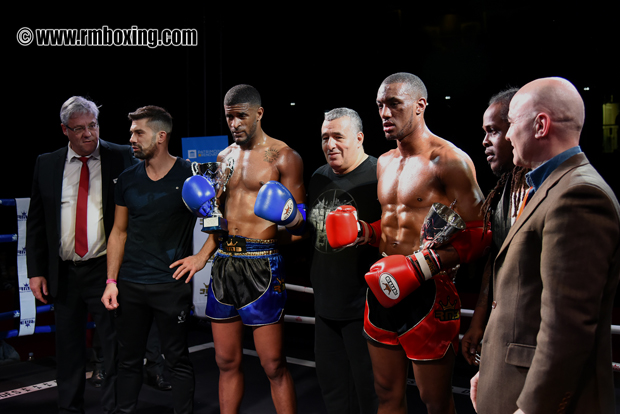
{"points": [[16, 313], [37, 329], [28, 311], [299, 319], [615, 329]]}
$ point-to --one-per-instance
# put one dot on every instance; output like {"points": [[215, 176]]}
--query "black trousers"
{"points": [[169, 305], [343, 367], [80, 288], [154, 360]]}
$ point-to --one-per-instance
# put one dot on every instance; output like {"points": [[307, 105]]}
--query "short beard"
{"points": [[147, 155], [249, 135], [143, 155]]}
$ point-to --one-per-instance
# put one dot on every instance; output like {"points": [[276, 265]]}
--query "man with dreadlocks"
{"points": [[500, 207]]}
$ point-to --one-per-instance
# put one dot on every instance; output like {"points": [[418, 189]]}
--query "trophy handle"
{"points": [[440, 224], [195, 168], [228, 171]]}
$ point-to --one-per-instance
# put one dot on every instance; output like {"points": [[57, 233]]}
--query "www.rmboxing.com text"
{"points": [[106, 36]]}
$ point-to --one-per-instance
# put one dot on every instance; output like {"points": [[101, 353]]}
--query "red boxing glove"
{"points": [[393, 278], [473, 242], [344, 230], [376, 229]]}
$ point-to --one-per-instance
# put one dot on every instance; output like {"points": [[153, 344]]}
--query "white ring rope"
{"points": [[615, 329], [298, 288]]}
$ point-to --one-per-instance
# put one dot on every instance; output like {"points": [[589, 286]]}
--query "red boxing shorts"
{"points": [[425, 323]]}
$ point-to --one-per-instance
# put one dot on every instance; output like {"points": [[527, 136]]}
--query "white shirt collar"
{"points": [[72, 154]]}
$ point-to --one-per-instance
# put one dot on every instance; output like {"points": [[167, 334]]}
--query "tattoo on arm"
{"points": [[271, 155]]}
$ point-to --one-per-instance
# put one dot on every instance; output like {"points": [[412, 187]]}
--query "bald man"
{"points": [[546, 348]]}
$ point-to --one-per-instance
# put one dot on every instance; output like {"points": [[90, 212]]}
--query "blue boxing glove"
{"points": [[275, 203], [197, 194]]}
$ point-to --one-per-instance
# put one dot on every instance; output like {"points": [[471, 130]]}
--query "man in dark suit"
{"points": [[71, 215], [547, 346]]}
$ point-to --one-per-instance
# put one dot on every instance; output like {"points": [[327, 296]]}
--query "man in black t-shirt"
{"points": [[348, 180], [152, 235]]}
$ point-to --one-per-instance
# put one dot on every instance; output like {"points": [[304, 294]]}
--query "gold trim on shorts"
{"points": [[231, 250], [261, 253]]}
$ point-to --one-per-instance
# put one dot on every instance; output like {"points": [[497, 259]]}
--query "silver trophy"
{"points": [[440, 224], [218, 174]]}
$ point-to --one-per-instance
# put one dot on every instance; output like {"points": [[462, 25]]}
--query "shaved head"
{"points": [[560, 99], [546, 118]]}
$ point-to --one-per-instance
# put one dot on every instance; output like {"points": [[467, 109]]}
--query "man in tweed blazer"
{"points": [[547, 347]]}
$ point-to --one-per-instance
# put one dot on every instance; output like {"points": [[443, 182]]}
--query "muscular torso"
{"points": [[407, 188], [252, 167]]}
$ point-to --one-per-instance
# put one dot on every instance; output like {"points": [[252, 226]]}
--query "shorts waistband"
{"points": [[243, 246]]}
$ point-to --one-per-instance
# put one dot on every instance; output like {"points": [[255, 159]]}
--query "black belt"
{"points": [[89, 262]]}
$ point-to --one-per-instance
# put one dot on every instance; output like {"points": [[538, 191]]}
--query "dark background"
{"points": [[318, 57]]}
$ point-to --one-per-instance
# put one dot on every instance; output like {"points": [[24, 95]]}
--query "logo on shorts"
{"points": [[182, 316], [279, 286], [288, 209], [390, 287], [448, 312], [234, 245]]}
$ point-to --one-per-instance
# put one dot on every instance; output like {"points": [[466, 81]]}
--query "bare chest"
{"points": [[251, 170], [411, 184]]}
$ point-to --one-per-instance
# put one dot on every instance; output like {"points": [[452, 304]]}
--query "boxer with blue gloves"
{"points": [[197, 194], [275, 203], [247, 279]]}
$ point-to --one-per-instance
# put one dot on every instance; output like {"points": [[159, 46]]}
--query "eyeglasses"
{"points": [[80, 129]]}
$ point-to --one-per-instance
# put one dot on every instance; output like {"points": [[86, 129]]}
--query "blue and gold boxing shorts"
{"points": [[247, 280]]}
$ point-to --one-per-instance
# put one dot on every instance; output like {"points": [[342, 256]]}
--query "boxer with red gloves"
{"points": [[405, 273], [423, 326], [394, 277]]}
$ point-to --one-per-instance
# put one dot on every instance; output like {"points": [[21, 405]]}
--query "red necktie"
{"points": [[81, 227]]}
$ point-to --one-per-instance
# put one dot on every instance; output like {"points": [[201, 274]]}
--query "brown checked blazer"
{"points": [[547, 346]]}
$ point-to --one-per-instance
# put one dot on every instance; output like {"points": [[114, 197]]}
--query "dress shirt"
{"points": [[68, 204], [537, 176]]}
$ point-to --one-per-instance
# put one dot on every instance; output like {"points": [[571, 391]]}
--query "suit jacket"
{"points": [[547, 346], [43, 224]]}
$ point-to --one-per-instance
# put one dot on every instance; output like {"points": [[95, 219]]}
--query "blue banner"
{"points": [[203, 149]]}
